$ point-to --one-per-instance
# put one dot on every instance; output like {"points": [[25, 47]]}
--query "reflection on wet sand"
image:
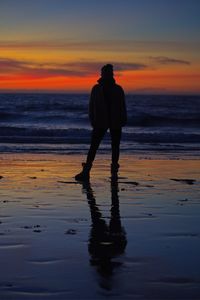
{"points": [[107, 241]]}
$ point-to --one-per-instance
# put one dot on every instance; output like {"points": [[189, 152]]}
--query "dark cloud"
{"points": [[163, 60], [130, 66], [9, 66], [95, 67]]}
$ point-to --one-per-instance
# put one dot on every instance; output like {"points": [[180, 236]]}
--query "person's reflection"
{"points": [[107, 241]]}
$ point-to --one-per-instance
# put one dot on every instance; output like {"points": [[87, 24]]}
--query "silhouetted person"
{"points": [[106, 241], [107, 110]]}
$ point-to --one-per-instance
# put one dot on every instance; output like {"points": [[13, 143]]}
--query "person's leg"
{"points": [[115, 142], [97, 136]]}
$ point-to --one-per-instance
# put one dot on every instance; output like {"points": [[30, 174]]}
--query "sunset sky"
{"points": [[60, 45]]}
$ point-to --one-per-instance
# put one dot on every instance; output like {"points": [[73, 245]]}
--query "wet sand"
{"points": [[138, 238]]}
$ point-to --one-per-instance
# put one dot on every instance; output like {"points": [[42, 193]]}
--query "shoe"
{"points": [[84, 175]]}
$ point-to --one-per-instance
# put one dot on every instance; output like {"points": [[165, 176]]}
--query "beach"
{"points": [[99, 150], [137, 238]]}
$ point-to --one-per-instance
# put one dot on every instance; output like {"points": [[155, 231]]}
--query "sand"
{"points": [[135, 239]]}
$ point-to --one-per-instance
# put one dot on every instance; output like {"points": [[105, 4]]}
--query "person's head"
{"points": [[107, 71]]}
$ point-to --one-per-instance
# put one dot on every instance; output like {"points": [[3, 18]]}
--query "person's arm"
{"points": [[124, 110], [91, 107]]}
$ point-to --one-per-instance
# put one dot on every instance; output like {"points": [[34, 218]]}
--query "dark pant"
{"points": [[97, 136]]}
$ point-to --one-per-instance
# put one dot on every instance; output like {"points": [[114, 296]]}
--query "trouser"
{"points": [[96, 138]]}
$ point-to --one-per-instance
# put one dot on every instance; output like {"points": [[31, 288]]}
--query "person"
{"points": [[107, 110]]}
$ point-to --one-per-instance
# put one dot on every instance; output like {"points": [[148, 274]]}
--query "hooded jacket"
{"points": [[107, 107]]}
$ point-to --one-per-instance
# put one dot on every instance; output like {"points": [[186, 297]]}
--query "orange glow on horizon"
{"points": [[41, 70], [131, 81], [161, 80], [51, 84]]}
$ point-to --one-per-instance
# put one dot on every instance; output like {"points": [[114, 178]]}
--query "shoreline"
{"points": [[135, 154]]}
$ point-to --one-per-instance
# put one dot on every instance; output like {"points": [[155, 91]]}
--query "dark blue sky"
{"points": [[107, 19]]}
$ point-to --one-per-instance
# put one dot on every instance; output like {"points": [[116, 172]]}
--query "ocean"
{"points": [[58, 123]]}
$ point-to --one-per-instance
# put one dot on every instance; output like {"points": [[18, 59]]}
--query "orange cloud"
{"points": [[113, 45]]}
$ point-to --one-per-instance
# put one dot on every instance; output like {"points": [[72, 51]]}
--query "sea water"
{"points": [[59, 123]]}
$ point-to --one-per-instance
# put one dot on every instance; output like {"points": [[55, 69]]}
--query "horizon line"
{"points": [[156, 93]]}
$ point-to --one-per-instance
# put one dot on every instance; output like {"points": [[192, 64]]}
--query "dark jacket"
{"points": [[107, 109]]}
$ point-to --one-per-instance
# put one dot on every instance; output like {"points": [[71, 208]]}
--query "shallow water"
{"points": [[64, 240]]}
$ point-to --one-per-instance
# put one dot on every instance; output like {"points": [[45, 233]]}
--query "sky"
{"points": [[61, 45]]}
